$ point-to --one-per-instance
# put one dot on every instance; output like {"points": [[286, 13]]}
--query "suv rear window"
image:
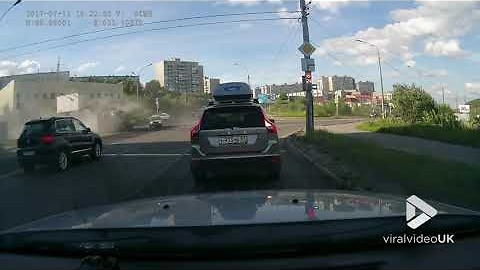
{"points": [[36, 128], [229, 117]]}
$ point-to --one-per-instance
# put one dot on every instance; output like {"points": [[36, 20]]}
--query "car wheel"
{"points": [[96, 151], [28, 167], [62, 161]]}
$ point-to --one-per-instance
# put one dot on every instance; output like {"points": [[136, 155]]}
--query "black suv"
{"points": [[55, 141]]}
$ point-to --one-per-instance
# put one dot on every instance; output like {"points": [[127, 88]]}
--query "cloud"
{"points": [[472, 90], [472, 86], [326, 18], [245, 25], [284, 14], [119, 68], [434, 73], [428, 20], [85, 66], [250, 2], [242, 2], [410, 63], [337, 63], [331, 6], [12, 68], [444, 48]]}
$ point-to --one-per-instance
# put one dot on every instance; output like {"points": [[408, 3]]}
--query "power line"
{"points": [[144, 31], [284, 43], [9, 8], [13, 48]]}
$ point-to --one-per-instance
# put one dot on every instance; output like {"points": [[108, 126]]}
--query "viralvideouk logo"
{"points": [[427, 212]]}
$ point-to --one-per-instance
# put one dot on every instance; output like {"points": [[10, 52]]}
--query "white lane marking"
{"points": [[144, 155], [12, 173]]}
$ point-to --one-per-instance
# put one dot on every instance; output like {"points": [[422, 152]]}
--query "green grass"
{"points": [[444, 181], [462, 136], [287, 113]]}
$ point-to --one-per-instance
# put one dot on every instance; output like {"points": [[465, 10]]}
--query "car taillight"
{"points": [[47, 139], [270, 126], [194, 132]]}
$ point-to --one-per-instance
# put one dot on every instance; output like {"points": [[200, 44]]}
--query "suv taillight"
{"points": [[271, 127], [47, 139], [194, 132]]}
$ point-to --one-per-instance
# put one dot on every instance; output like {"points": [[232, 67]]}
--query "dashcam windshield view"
{"points": [[276, 134]]}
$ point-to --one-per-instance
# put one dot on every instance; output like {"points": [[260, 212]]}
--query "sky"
{"points": [[430, 43]]}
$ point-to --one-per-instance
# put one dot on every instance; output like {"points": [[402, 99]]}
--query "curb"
{"points": [[293, 147]]}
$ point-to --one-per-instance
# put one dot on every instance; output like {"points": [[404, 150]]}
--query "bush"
{"points": [[441, 115], [361, 111], [411, 102]]}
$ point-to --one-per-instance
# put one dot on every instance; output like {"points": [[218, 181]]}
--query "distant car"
{"points": [[234, 131], [164, 116], [55, 141], [155, 122]]}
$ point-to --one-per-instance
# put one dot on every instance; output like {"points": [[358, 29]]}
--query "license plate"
{"points": [[233, 140], [29, 153]]}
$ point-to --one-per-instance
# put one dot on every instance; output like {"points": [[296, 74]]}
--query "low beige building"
{"points": [[31, 96]]}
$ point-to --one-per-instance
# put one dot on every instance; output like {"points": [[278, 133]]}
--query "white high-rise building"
{"points": [[180, 76], [210, 84]]}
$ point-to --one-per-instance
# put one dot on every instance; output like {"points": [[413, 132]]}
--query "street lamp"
{"points": [[10, 8], [139, 73], [246, 70], [380, 70], [420, 75]]}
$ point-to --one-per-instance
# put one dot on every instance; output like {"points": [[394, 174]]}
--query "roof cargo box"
{"points": [[232, 91]]}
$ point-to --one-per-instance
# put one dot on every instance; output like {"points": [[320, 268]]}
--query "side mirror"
{"points": [[88, 130], [271, 120]]}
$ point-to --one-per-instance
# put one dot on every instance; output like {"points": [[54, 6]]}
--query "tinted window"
{"points": [[36, 128], [64, 125], [228, 117], [79, 126]]}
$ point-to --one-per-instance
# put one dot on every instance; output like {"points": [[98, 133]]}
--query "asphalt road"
{"points": [[136, 165]]}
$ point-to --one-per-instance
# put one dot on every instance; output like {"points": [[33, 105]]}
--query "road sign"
{"points": [[306, 48], [262, 98], [308, 77], [314, 86], [308, 64]]}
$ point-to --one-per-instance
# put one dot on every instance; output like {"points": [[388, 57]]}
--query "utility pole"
{"points": [[58, 68], [381, 81], [379, 69], [307, 78], [443, 94]]}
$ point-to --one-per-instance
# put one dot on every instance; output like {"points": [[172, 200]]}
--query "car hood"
{"points": [[233, 208]]}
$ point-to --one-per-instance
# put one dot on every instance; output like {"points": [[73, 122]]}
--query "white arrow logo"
{"points": [[428, 212]]}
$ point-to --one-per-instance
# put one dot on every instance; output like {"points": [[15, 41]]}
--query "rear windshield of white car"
{"points": [[230, 117]]}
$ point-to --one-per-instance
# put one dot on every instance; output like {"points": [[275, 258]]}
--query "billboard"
{"points": [[463, 108]]}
